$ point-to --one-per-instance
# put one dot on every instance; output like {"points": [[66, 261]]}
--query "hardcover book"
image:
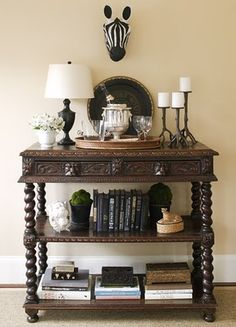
{"points": [[169, 287], [168, 296], [127, 210], [138, 210], [95, 207], [122, 210], [100, 212], [98, 286], [144, 217], [117, 210], [116, 292], [133, 208], [117, 297], [105, 213], [64, 295], [111, 209]]}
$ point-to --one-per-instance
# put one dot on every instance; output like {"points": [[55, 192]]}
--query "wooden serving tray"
{"points": [[125, 142]]}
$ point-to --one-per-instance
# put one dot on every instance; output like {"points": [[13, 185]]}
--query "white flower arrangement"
{"points": [[46, 122]]}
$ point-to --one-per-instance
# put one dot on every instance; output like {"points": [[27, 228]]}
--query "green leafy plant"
{"points": [[80, 197], [160, 194]]}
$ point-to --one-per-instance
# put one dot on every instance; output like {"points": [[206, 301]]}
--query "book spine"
{"points": [[122, 210], [138, 210], [64, 295], [119, 297], [62, 289], [168, 296], [127, 210], [144, 217], [95, 207], [133, 208], [105, 219], [117, 210], [99, 212], [117, 293], [189, 291], [111, 210]]}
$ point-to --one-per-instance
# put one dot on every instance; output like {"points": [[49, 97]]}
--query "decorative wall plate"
{"points": [[125, 90]]}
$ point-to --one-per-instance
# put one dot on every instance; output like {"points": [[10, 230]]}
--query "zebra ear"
{"points": [[107, 12], [126, 13]]}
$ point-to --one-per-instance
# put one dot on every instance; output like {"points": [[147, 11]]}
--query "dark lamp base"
{"points": [[69, 118], [66, 141]]}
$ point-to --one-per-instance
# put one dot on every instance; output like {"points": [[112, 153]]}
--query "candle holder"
{"points": [[185, 131], [164, 128], [178, 139]]}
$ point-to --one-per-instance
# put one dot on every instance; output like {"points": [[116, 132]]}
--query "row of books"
{"points": [[117, 292], [81, 290], [120, 210], [162, 281]]}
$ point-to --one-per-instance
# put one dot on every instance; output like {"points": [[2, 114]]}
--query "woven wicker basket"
{"points": [[170, 223], [170, 227]]}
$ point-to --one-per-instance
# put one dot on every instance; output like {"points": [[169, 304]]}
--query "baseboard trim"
{"points": [[24, 286], [13, 268], [12, 286]]}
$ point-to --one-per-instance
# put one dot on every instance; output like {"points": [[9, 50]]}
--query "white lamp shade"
{"points": [[70, 81]]}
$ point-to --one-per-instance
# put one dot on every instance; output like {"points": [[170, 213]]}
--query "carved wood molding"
{"points": [[72, 168], [27, 166], [161, 168], [116, 166]]}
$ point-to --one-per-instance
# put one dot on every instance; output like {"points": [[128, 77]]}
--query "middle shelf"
{"points": [[45, 233]]}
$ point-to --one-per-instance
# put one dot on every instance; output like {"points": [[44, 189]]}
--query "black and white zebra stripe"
{"points": [[116, 33]]}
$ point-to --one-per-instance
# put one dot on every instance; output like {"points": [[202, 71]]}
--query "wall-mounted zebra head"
{"points": [[116, 33]]}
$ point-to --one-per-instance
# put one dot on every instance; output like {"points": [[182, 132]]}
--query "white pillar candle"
{"points": [[177, 100], [185, 84], [163, 100]]}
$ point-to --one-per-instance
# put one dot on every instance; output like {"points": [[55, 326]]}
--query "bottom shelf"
{"points": [[195, 303], [120, 305]]}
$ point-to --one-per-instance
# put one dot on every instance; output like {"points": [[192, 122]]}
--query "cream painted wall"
{"points": [[169, 39]]}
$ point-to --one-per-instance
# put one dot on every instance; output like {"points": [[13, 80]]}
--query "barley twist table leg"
{"points": [[42, 257], [41, 199], [207, 244], [196, 200], [30, 244]]}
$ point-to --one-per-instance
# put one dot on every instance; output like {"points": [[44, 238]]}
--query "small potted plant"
{"points": [[47, 126], [80, 203], [160, 196]]}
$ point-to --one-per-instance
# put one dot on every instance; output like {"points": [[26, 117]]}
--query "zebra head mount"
{"points": [[116, 33]]}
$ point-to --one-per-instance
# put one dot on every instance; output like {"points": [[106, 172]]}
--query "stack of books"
{"points": [[117, 292], [168, 281], [120, 210], [60, 282]]}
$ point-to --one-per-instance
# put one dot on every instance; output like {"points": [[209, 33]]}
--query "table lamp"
{"points": [[68, 81]]}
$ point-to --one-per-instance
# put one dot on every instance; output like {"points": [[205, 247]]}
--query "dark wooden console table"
{"points": [[70, 165]]}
